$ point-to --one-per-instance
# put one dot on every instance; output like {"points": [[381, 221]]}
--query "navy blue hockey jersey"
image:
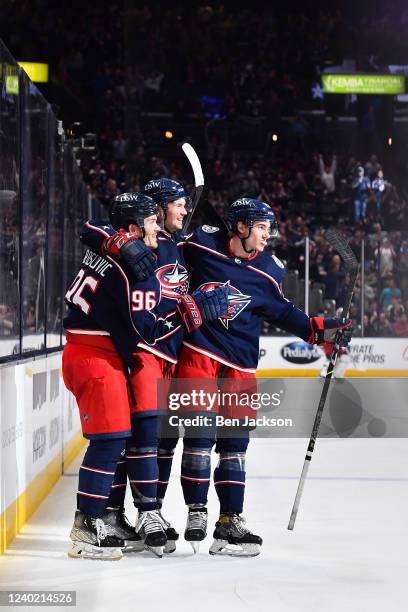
{"points": [[254, 294], [171, 273], [105, 299]]}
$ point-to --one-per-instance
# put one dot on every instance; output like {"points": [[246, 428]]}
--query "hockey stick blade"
{"points": [[338, 241], [195, 164], [206, 209], [198, 181]]}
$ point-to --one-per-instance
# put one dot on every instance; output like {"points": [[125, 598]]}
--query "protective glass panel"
{"points": [[9, 205]]}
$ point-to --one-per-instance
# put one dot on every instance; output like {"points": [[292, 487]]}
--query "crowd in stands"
{"points": [[307, 196], [257, 61]]}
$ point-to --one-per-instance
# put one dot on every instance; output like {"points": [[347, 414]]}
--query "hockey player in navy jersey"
{"points": [[113, 305], [159, 361], [175, 203], [227, 349]]}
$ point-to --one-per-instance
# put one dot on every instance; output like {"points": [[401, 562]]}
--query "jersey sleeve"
{"points": [[144, 297], [93, 234], [281, 312], [139, 306], [136, 303]]}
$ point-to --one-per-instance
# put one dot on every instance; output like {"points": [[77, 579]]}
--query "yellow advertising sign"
{"points": [[38, 73]]}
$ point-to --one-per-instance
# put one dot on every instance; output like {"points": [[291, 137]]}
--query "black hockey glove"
{"points": [[203, 306], [324, 330], [133, 252]]}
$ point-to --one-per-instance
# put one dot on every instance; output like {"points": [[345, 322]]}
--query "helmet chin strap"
{"points": [[165, 210], [171, 232], [243, 242], [141, 227]]}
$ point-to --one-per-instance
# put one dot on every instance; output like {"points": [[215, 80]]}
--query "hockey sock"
{"points": [[141, 457], [229, 481], [196, 470], [165, 455], [118, 491], [229, 475], [96, 475], [164, 461]]}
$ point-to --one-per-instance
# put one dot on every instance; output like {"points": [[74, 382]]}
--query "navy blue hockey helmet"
{"points": [[166, 190], [130, 208], [249, 211]]}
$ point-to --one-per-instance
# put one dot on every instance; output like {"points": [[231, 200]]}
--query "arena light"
{"points": [[389, 84], [168, 134], [38, 73], [275, 137], [389, 141]]}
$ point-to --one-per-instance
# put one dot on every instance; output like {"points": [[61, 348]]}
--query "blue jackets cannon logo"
{"points": [[173, 279], [300, 352]]}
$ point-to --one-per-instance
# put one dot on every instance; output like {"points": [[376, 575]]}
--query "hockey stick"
{"points": [[207, 210], [198, 181], [339, 242]]}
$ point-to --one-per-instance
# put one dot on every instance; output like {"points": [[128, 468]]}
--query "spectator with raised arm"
{"points": [[327, 174]]}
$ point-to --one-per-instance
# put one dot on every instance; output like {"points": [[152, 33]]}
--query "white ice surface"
{"points": [[348, 551]]}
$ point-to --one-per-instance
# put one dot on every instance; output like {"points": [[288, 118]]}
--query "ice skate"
{"points": [[231, 537], [116, 518], [171, 534], [196, 527], [92, 538], [151, 530]]}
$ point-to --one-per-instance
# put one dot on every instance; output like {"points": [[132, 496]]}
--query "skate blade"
{"points": [[222, 547], [195, 545], [82, 550], [133, 547], [156, 550], [170, 547]]}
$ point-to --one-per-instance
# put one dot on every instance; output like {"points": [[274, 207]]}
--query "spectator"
{"points": [[327, 174], [361, 186], [402, 268], [372, 168], [384, 326], [389, 292], [379, 186], [387, 256], [6, 322], [318, 271], [334, 279], [401, 326], [395, 310], [119, 146]]}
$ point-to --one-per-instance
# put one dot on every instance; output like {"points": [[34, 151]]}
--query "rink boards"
{"points": [[372, 357], [39, 427]]}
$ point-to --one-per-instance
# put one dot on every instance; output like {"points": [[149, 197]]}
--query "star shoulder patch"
{"points": [[210, 229], [278, 261]]}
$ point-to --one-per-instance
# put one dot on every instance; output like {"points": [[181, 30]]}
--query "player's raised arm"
{"points": [[315, 330], [190, 312], [119, 240]]}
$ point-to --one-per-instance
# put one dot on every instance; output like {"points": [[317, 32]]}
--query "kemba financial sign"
{"points": [[300, 352]]}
